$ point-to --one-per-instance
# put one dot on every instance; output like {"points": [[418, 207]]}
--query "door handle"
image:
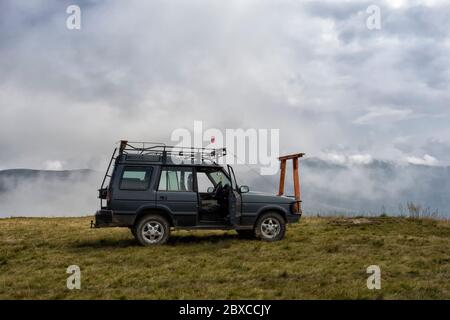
{"points": [[162, 198]]}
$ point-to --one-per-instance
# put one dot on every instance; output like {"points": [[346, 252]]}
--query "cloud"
{"points": [[383, 114], [360, 159], [140, 69], [427, 160], [53, 165], [342, 159], [48, 193], [335, 158]]}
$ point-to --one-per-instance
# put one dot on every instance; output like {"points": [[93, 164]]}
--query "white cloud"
{"points": [[53, 165], [383, 114], [411, 3], [139, 70], [427, 160], [352, 159], [397, 3], [360, 159], [334, 158]]}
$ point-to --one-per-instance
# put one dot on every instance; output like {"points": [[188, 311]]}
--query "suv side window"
{"points": [[176, 179], [135, 178]]}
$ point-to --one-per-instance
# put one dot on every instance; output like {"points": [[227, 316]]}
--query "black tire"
{"points": [[246, 234], [271, 226], [152, 229]]}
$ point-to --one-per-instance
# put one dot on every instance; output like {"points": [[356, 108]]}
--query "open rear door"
{"points": [[234, 200]]}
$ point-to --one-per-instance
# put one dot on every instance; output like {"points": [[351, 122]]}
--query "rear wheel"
{"points": [[270, 227], [152, 230]]}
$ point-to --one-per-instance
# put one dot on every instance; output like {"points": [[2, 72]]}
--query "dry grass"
{"points": [[321, 258]]}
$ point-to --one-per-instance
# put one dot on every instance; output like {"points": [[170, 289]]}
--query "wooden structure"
{"points": [[283, 159]]}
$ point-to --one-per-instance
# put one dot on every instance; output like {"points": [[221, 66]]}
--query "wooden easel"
{"points": [[283, 160]]}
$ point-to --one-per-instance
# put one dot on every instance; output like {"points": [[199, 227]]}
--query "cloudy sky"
{"points": [[140, 69]]}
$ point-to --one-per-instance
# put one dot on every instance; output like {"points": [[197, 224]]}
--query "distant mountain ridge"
{"points": [[327, 188], [31, 172], [11, 178], [377, 186]]}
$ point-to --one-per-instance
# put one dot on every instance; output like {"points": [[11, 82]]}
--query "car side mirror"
{"points": [[210, 190], [244, 189]]}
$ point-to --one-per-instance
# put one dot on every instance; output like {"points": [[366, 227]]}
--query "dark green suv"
{"points": [[153, 188]]}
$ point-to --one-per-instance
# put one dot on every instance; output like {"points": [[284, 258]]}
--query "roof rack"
{"points": [[163, 150]]}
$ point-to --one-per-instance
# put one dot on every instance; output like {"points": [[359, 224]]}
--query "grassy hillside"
{"points": [[323, 258]]}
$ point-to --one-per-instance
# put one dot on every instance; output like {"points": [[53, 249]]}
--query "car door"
{"points": [[177, 195], [234, 200]]}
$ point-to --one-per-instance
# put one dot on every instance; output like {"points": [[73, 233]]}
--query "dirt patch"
{"points": [[351, 221]]}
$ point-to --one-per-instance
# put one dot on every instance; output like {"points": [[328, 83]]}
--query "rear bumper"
{"points": [[103, 218], [107, 218]]}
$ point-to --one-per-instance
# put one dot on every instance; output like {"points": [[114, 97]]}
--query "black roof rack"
{"points": [[161, 152], [164, 151]]}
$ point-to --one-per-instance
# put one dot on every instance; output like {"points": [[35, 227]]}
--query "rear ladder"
{"points": [[103, 192]]}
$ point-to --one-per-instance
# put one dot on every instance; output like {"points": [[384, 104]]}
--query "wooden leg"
{"points": [[282, 175], [296, 181]]}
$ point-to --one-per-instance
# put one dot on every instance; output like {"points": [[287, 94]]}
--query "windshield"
{"points": [[219, 176]]}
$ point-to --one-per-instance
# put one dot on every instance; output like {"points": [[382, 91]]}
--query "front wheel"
{"points": [[270, 227], [151, 230]]}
